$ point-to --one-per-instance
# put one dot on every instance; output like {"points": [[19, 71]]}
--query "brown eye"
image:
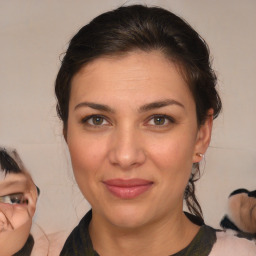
{"points": [[18, 198], [97, 120], [159, 120]]}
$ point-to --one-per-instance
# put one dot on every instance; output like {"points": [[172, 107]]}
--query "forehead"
{"points": [[143, 74]]}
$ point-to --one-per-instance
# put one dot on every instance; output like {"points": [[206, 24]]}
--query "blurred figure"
{"points": [[18, 196], [241, 216]]}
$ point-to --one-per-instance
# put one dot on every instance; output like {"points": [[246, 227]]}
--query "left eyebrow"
{"points": [[160, 104]]}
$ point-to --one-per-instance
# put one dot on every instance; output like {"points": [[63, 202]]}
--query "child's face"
{"points": [[18, 196]]}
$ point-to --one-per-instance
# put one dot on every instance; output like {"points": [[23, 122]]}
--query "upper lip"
{"points": [[127, 182]]}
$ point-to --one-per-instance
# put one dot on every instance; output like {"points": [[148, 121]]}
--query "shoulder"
{"points": [[230, 245]]}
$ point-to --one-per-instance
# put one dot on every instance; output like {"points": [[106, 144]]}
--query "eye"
{"points": [[95, 120], [18, 198], [160, 120]]}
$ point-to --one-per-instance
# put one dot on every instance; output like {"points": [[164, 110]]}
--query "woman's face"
{"points": [[133, 137], [17, 206]]}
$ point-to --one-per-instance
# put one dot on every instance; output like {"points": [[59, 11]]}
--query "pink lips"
{"points": [[128, 189]]}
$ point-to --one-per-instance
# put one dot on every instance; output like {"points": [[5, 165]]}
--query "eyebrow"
{"points": [[144, 108], [160, 104], [95, 106]]}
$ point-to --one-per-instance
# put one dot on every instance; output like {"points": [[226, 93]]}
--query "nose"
{"points": [[127, 149]]}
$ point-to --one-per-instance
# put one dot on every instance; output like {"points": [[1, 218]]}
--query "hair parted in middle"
{"points": [[138, 27]]}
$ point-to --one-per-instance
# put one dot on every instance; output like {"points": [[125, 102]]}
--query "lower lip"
{"points": [[128, 192]]}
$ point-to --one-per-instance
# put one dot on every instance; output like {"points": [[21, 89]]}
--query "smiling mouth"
{"points": [[128, 189]]}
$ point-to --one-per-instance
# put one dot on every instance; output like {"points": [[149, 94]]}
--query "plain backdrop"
{"points": [[33, 35]]}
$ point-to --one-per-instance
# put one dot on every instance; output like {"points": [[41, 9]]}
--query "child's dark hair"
{"points": [[7, 163]]}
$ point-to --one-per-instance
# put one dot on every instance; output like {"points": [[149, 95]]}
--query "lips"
{"points": [[128, 189]]}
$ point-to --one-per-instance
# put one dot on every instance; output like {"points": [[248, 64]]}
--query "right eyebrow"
{"points": [[96, 106]]}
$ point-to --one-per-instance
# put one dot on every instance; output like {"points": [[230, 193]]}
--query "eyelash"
{"points": [[17, 198], [87, 118], [167, 118]]}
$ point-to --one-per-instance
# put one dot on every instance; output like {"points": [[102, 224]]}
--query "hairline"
{"points": [[180, 66]]}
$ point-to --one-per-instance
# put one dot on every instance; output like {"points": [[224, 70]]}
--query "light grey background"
{"points": [[33, 35]]}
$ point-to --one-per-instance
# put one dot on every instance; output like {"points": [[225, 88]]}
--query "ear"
{"points": [[32, 197], [203, 137]]}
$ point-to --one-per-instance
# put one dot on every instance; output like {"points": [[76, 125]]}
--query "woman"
{"points": [[136, 94]]}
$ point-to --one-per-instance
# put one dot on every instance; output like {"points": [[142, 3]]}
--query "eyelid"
{"points": [[169, 118], [7, 198], [85, 120]]}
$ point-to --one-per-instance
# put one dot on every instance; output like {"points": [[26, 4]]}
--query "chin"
{"points": [[132, 216]]}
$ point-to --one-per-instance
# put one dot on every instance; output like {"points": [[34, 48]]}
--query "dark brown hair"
{"points": [[138, 27], [8, 163]]}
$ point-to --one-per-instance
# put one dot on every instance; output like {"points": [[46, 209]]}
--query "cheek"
{"points": [[88, 157], [86, 154], [253, 212], [234, 206], [172, 153], [173, 160], [19, 216], [248, 215], [237, 210], [12, 241], [13, 216]]}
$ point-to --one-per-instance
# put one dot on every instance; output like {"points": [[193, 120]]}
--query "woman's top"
{"points": [[79, 242]]}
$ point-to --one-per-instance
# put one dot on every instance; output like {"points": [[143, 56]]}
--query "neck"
{"points": [[164, 237]]}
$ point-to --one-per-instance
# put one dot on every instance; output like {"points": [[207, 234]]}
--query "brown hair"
{"points": [[145, 28]]}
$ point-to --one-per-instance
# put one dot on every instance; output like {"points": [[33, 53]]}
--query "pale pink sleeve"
{"points": [[230, 245]]}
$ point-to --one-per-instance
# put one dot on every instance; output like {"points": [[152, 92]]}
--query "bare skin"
{"points": [[164, 239], [16, 216], [242, 210], [134, 118]]}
